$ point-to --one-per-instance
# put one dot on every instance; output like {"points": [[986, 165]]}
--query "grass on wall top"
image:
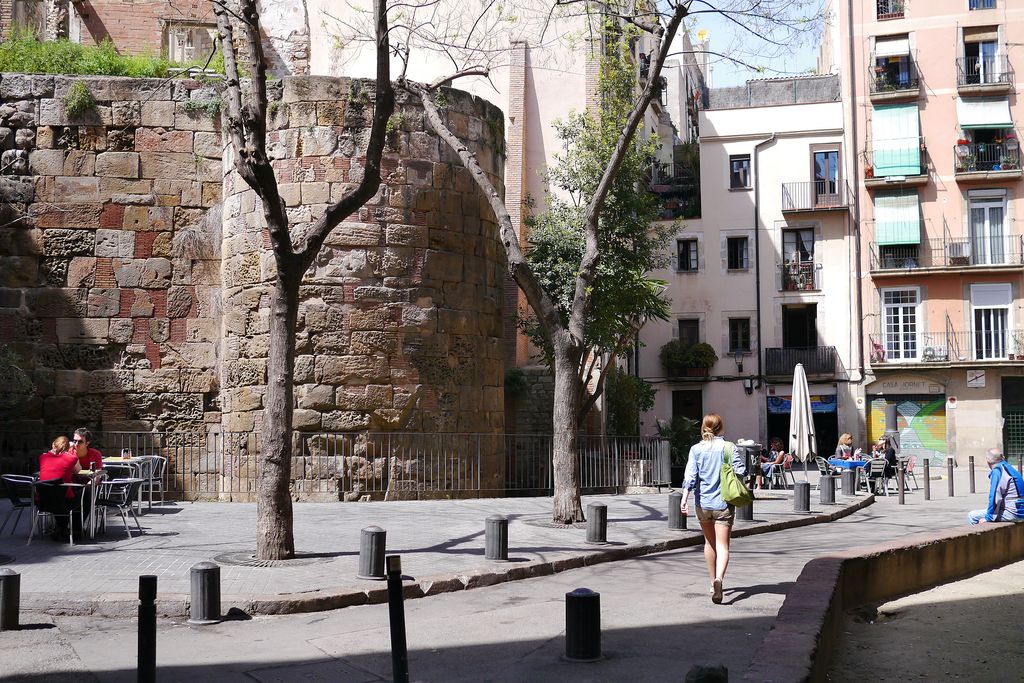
{"points": [[24, 53]]}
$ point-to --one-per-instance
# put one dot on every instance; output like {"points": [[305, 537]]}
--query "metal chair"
{"points": [[908, 471], [157, 478], [51, 502], [13, 485], [119, 494], [824, 469], [783, 473], [876, 472]]}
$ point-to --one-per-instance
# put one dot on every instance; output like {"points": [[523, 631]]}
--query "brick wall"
{"points": [[137, 27]]}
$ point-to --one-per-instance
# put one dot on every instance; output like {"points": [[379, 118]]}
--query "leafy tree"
{"points": [[626, 397]]}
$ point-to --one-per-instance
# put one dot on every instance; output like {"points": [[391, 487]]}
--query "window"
{"points": [[988, 149], [189, 42], [689, 331], [990, 304], [983, 4], [798, 270], [739, 335], [989, 241], [686, 254], [899, 320], [897, 217], [982, 62], [893, 67], [889, 9], [739, 171], [736, 248]]}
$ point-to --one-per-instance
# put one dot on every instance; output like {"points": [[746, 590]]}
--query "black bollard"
{"points": [[496, 538], [147, 629], [927, 480], [802, 496], [828, 490], [371, 553], [849, 479], [970, 467], [204, 579], [901, 484], [10, 599], [949, 475], [745, 513], [396, 615], [597, 523], [676, 518], [583, 625]]}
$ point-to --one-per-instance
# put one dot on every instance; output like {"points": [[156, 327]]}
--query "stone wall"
{"points": [[109, 285]]}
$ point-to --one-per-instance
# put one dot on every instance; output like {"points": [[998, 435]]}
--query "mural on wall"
{"points": [[921, 421], [779, 405]]}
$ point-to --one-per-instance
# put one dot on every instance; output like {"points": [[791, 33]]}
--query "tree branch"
{"points": [[384, 107], [464, 73]]}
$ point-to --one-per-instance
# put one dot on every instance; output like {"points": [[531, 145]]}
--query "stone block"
{"points": [[121, 140], [115, 243], [195, 120], [354, 234], [71, 382], [15, 86], [315, 396], [79, 163], [442, 266], [209, 170], [178, 166], [194, 355], [118, 164], [376, 318], [19, 271], [399, 235], [121, 330], [142, 304], [318, 141], [83, 331], [201, 330], [315, 193], [159, 329], [67, 243], [44, 137], [158, 113], [208, 145], [75, 189], [345, 420], [58, 408], [304, 369], [343, 369], [371, 342], [126, 114], [306, 420], [104, 303], [11, 297], [17, 189], [245, 372], [314, 89], [198, 381], [14, 161], [25, 138], [158, 381], [46, 162]]}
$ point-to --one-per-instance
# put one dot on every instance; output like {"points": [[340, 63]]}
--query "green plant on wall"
{"points": [[627, 397], [682, 433], [210, 107], [78, 99], [394, 129]]}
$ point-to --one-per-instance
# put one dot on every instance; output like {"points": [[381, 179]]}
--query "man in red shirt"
{"points": [[86, 454]]}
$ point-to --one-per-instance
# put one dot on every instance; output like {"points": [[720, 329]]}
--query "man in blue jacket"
{"points": [[1005, 493]]}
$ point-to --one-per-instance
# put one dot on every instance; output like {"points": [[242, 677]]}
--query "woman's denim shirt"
{"points": [[705, 464]]}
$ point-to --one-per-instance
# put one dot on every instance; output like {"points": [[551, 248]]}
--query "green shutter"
{"points": [[896, 140], [897, 218]]}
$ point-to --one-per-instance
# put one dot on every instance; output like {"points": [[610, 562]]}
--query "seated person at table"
{"points": [[1005, 493], [60, 463], [844, 450], [888, 452], [776, 456], [87, 455]]}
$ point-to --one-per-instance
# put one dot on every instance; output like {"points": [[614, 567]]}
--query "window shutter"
{"points": [[895, 140], [897, 218]]}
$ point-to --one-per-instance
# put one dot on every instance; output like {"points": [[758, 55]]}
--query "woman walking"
{"points": [[703, 474]]}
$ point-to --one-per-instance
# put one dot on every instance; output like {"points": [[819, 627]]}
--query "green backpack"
{"points": [[734, 491]]}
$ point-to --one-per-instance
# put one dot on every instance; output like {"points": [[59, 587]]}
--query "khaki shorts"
{"points": [[724, 517]]}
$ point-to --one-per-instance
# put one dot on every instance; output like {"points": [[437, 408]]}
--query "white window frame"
{"points": [[895, 351], [982, 251], [998, 345]]}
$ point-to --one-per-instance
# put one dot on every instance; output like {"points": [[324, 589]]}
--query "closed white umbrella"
{"points": [[801, 420]]}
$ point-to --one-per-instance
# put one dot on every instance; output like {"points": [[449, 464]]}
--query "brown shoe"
{"points": [[716, 592]]}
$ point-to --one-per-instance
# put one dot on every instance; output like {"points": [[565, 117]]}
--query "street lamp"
{"points": [[749, 383]]}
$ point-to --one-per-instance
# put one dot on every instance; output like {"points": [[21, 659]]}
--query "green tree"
{"points": [[622, 295], [626, 397]]}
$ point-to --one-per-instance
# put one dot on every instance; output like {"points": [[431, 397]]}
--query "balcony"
{"points": [[818, 361], [987, 161], [990, 75], [893, 79], [943, 349], [889, 9], [800, 276], [958, 254], [677, 185], [898, 161], [816, 195]]}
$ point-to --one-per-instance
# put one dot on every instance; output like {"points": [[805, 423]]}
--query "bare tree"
{"points": [[246, 119]]}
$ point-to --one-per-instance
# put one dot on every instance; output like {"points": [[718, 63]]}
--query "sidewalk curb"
{"points": [[177, 604]]}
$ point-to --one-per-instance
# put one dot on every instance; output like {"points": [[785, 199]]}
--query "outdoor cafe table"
{"points": [[847, 464], [91, 487], [136, 465]]}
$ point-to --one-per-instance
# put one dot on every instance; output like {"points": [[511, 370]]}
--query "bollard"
{"points": [[204, 579], [396, 617], [828, 490], [802, 496], [849, 479], [927, 480], [676, 518], [901, 483], [970, 467], [496, 538], [147, 629], [371, 553], [597, 523], [583, 625], [10, 599], [745, 513], [949, 475]]}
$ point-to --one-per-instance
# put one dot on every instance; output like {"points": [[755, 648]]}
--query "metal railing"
{"points": [[817, 360], [960, 252], [352, 465], [986, 156], [896, 157], [892, 74], [889, 9], [989, 70], [802, 276], [816, 195], [947, 347]]}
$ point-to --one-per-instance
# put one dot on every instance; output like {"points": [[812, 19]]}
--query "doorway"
{"points": [[799, 326]]}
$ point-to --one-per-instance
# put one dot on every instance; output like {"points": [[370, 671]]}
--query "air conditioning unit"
{"points": [[959, 250]]}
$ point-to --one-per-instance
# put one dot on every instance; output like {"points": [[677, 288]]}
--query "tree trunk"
{"points": [[274, 538], [56, 19], [566, 507]]}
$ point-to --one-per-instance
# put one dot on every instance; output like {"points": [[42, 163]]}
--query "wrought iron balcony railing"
{"points": [[889, 9], [957, 252], [800, 276], [896, 157], [987, 156], [993, 343], [817, 360], [988, 70], [816, 195], [892, 74]]}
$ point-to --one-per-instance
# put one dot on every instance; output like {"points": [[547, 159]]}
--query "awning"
{"points": [[892, 47], [896, 140], [897, 218], [978, 113]]}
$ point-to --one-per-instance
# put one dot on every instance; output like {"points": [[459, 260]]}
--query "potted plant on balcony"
{"points": [[1008, 162], [702, 357]]}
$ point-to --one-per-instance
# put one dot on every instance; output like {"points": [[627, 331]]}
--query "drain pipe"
{"points": [[855, 209], [757, 252]]}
